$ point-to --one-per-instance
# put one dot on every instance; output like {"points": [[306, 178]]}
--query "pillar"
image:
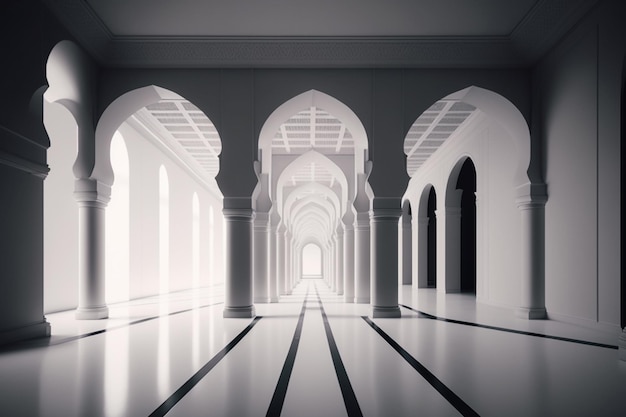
{"points": [[532, 209], [280, 259], [238, 284], [273, 274], [331, 264], [92, 197], [287, 261], [339, 259], [260, 258], [362, 259], [348, 264], [407, 250], [384, 260], [422, 252]]}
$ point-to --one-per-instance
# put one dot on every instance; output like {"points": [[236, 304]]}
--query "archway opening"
{"points": [[311, 261], [431, 245], [467, 183], [312, 149]]}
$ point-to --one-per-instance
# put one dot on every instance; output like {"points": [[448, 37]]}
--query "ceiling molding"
{"points": [[540, 29]]}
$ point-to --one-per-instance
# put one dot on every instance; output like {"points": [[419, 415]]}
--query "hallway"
{"points": [[311, 355]]}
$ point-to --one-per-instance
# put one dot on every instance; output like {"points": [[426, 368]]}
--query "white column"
{"points": [[273, 274], [331, 267], [339, 259], [92, 198], [532, 303], [348, 264], [287, 262], [384, 262], [261, 257], [238, 284], [422, 252], [407, 250], [362, 258], [280, 259], [327, 263]]}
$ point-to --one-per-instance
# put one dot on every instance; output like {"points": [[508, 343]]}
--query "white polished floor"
{"points": [[175, 355]]}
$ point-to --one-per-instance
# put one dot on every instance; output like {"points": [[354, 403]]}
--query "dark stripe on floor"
{"points": [[39, 343], [278, 399], [349, 398], [191, 382], [461, 406], [504, 329]]}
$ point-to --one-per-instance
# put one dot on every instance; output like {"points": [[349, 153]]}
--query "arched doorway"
{"points": [[314, 138], [467, 184], [460, 228], [311, 261], [427, 239], [431, 240]]}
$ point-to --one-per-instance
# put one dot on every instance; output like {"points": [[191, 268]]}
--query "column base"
{"points": [[97, 313], [25, 332], [386, 312], [339, 292], [622, 345], [348, 299], [239, 312], [274, 299], [531, 313], [362, 300], [261, 300]]}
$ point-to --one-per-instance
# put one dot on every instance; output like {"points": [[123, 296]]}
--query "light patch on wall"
{"points": [[118, 225], [164, 231]]}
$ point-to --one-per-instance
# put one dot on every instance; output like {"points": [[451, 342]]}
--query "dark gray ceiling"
{"points": [[322, 33]]}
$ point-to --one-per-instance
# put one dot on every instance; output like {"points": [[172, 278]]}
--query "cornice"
{"points": [[541, 28]]}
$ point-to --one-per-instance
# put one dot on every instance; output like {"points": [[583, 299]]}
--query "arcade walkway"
{"points": [[312, 355]]}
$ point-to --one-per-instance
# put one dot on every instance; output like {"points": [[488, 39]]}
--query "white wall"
{"points": [[498, 235], [579, 86], [146, 160], [61, 224], [60, 212]]}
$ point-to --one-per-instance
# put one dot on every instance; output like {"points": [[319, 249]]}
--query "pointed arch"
{"points": [[118, 112], [307, 158], [497, 108], [304, 101]]}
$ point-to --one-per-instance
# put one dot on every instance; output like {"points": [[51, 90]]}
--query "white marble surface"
{"points": [[130, 370]]}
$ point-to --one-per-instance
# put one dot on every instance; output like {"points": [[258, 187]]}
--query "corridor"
{"points": [[312, 355]]}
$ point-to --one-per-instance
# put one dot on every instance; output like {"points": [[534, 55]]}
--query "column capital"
{"points": [[261, 219], [91, 192], [385, 214], [241, 214], [531, 196]]}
